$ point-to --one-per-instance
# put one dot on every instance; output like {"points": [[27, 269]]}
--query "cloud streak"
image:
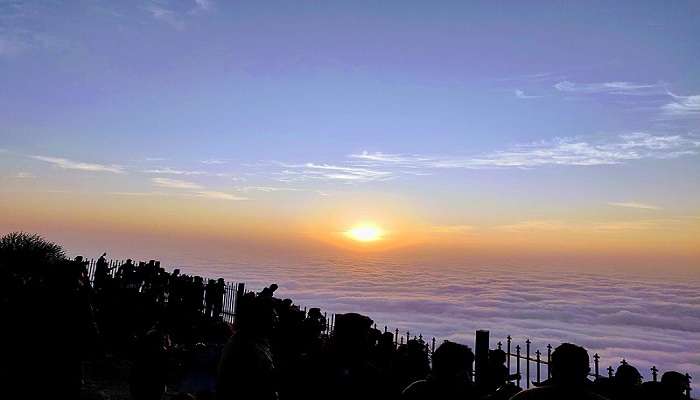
{"points": [[682, 106], [615, 88], [209, 194], [328, 172], [634, 204], [560, 151], [65, 163], [175, 184], [521, 95], [171, 171]]}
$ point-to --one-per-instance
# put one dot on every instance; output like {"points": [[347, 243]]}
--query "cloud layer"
{"points": [[649, 320]]}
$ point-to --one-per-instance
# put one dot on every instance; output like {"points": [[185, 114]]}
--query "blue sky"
{"points": [[543, 109]]}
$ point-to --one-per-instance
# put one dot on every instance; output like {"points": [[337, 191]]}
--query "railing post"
{"points": [[240, 291], [654, 373], [537, 355], [499, 345], [508, 340], [481, 355], [432, 349], [596, 362], [527, 362], [611, 370], [396, 338], [517, 362], [549, 361]]}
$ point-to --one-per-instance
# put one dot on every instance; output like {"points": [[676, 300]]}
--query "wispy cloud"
{"points": [[81, 166], [194, 189], [154, 159], [348, 174], [204, 5], [560, 151], [171, 171], [521, 95], [268, 189], [634, 204], [682, 106], [537, 77], [175, 184], [219, 195], [615, 87], [214, 161], [162, 13]]}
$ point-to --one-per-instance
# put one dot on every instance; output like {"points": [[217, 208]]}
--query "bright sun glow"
{"points": [[365, 233]]}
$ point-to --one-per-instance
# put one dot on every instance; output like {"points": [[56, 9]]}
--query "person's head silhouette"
{"points": [[452, 361], [570, 364], [675, 382], [497, 357], [627, 375]]}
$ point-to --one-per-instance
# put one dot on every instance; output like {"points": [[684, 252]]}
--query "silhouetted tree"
{"points": [[22, 248]]}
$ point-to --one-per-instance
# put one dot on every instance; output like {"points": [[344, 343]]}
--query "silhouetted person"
{"points": [[350, 373], [247, 369], [149, 371], [627, 383], [674, 385], [102, 272], [570, 367], [450, 377], [411, 362], [497, 373]]}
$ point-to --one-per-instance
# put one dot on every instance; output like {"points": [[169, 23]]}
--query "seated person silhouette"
{"points": [[450, 377], [570, 367]]}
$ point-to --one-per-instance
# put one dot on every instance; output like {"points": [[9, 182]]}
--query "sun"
{"points": [[365, 233]]}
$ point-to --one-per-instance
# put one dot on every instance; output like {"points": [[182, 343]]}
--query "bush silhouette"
{"points": [[21, 248]]}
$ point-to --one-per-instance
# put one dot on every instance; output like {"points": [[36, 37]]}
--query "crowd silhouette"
{"points": [[170, 328]]}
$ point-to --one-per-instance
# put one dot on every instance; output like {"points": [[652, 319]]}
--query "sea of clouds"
{"points": [[649, 319]]}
